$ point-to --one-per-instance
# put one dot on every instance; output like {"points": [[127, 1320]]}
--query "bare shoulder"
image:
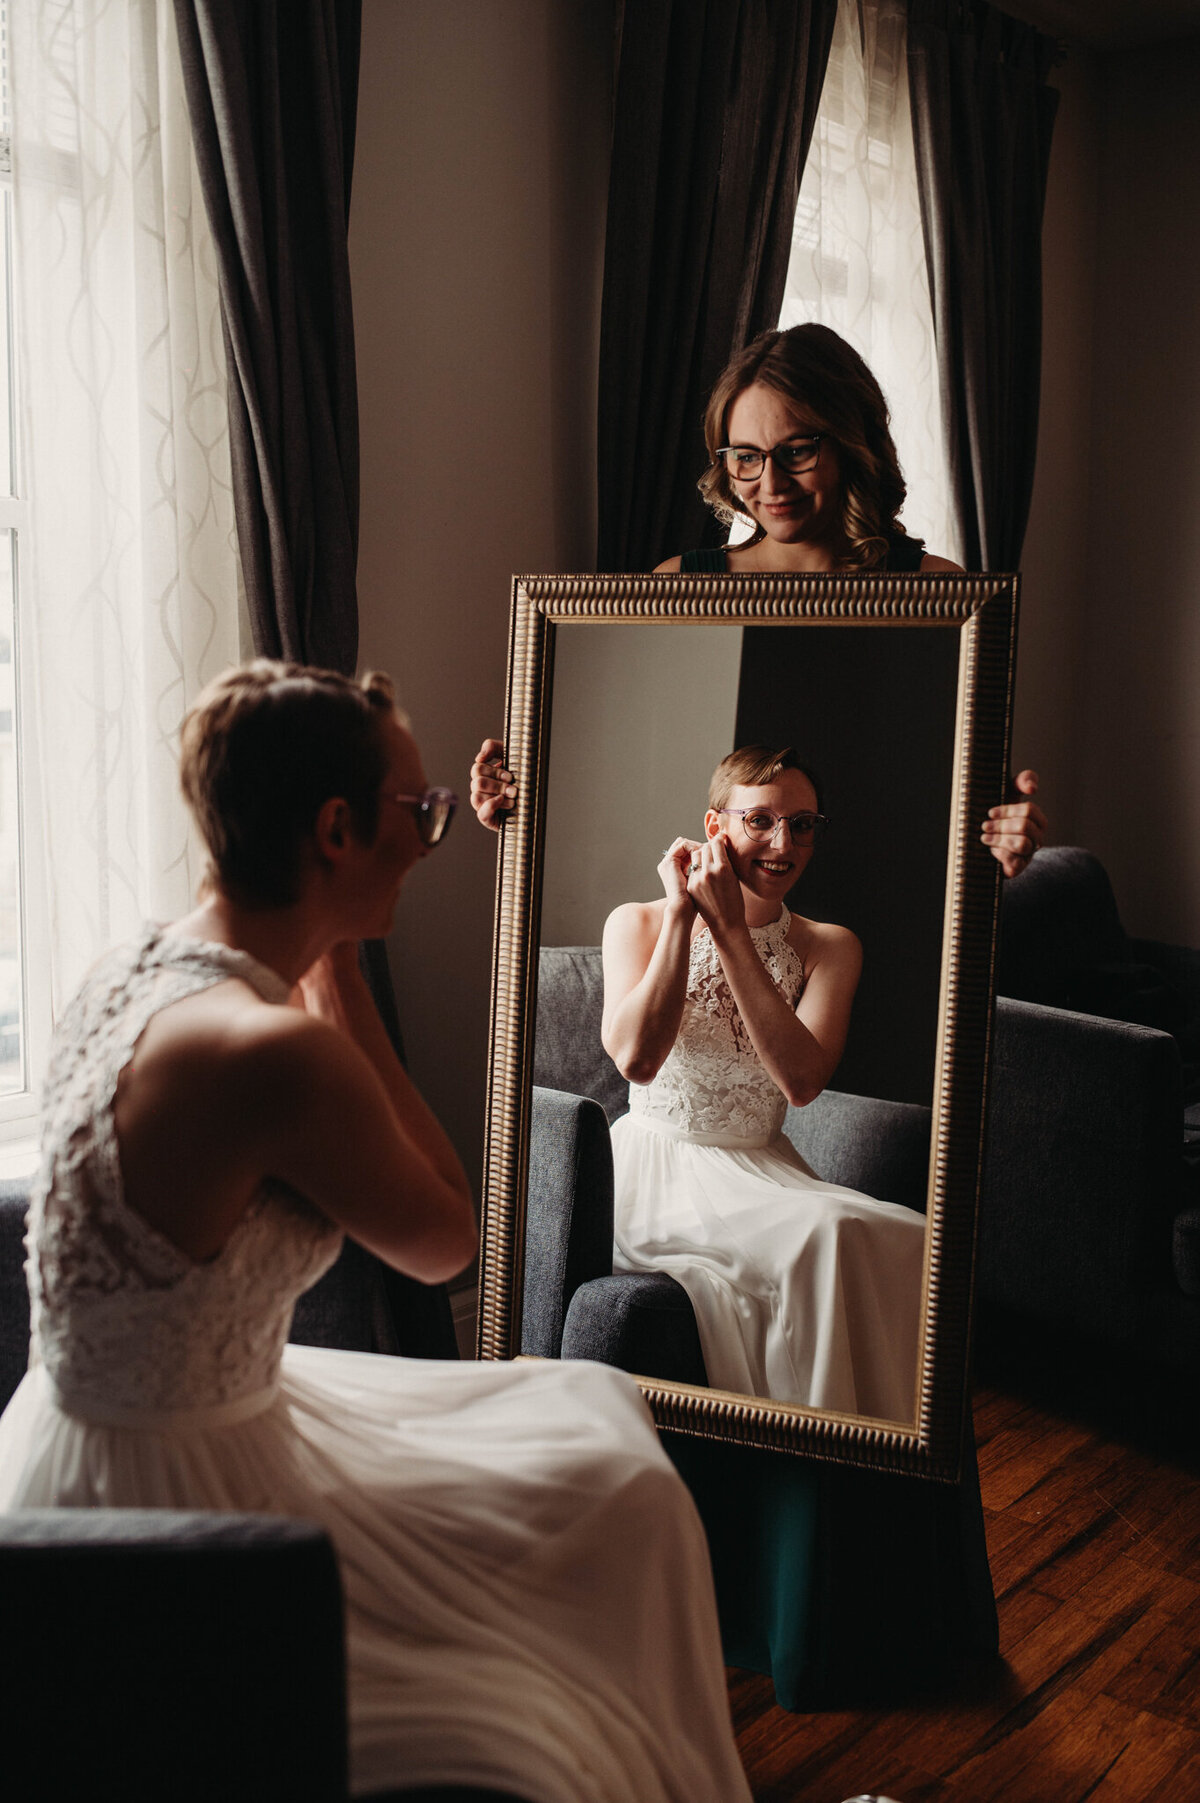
{"points": [[821, 942], [929, 563], [668, 567], [634, 921], [228, 1038]]}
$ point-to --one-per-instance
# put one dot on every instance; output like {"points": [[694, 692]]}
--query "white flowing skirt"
{"points": [[529, 1600], [802, 1291]]}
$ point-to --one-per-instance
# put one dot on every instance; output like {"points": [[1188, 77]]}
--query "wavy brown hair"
{"points": [[262, 749], [811, 366]]}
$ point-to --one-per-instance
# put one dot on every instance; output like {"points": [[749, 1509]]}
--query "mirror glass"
{"points": [[616, 722], [641, 719]]}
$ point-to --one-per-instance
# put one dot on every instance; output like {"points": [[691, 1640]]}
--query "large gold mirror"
{"points": [[624, 692]]}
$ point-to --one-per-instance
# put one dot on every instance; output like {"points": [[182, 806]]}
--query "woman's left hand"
{"points": [[1014, 831], [714, 887]]}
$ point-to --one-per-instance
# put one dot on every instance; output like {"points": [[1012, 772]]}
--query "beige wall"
{"points": [[1110, 657], [476, 243], [642, 716]]}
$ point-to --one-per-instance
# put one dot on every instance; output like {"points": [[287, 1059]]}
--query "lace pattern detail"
{"points": [[120, 1315], [712, 1081]]}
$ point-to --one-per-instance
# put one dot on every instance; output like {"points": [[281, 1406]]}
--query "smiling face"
{"points": [[803, 510], [766, 870]]}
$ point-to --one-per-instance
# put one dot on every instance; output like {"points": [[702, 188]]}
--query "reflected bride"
{"points": [[721, 1007]]}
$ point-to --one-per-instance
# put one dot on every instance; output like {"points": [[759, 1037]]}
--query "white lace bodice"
{"points": [[123, 1321], [712, 1081]]}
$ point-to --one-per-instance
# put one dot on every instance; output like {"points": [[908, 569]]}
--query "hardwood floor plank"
{"points": [[1156, 1756], [1060, 1754], [1095, 1553], [1129, 1579]]}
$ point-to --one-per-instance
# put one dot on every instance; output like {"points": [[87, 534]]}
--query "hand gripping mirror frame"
{"points": [[982, 609]]}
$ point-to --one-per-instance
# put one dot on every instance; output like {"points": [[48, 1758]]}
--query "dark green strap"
{"points": [[694, 563]]}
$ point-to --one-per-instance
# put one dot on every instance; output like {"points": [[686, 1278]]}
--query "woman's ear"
{"points": [[712, 824], [332, 829]]}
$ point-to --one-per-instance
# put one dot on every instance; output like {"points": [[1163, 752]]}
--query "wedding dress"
{"points": [[802, 1291], [529, 1603]]}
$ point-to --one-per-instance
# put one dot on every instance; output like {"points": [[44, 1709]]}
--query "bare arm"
{"points": [[362, 1145], [334, 990], [799, 1049], [646, 949], [225, 1091]]}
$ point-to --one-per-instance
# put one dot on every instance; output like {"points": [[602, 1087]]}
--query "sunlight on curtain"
{"points": [[858, 258], [130, 579]]}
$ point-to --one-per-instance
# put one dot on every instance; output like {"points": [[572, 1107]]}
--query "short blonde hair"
{"points": [[262, 749], [753, 765]]}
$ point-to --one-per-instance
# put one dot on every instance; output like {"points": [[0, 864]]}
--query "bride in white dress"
{"points": [[721, 1007], [529, 1604]]}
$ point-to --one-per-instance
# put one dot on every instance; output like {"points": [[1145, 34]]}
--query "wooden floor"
{"points": [[1092, 1504]]}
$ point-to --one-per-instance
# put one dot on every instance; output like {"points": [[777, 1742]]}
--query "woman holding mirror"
{"points": [[801, 453], [721, 1007]]}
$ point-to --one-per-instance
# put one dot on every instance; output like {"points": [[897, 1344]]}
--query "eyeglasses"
{"points": [[745, 463], [760, 825], [434, 811]]}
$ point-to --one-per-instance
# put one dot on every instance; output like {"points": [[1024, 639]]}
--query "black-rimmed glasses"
{"points": [[433, 811], [761, 825], [746, 463]]}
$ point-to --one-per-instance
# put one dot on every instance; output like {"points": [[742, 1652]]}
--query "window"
{"points": [[858, 256], [22, 1009]]}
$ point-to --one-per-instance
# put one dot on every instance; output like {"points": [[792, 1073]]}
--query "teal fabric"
{"points": [[903, 558], [846, 1587], [760, 1512]]}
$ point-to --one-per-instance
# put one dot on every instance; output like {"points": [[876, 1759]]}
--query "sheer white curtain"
{"points": [[858, 259], [129, 576]]}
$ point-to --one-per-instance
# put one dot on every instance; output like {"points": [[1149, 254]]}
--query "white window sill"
{"points": [[19, 1157]]}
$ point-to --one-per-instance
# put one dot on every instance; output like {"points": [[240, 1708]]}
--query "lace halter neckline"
{"points": [[181, 950], [712, 1083]]}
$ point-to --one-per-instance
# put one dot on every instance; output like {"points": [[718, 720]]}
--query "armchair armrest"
{"points": [[640, 1321], [569, 1220], [1082, 1168], [879, 1148], [151, 1653]]}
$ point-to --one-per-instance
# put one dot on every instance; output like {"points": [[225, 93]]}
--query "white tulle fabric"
{"points": [[803, 1291], [858, 255], [529, 1604]]}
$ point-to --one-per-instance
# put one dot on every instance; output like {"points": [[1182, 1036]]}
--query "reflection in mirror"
{"points": [[803, 1291], [639, 723], [907, 728]]}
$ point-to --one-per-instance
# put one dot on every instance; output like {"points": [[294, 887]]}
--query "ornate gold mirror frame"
{"points": [[982, 611]]}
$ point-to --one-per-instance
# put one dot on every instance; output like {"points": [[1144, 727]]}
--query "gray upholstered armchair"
{"points": [[1090, 1204], [1090, 1208], [575, 1306]]}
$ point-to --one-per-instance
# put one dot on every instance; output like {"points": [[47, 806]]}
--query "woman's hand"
{"points": [[1014, 831], [714, 888], [673, 874], [493, 787]]}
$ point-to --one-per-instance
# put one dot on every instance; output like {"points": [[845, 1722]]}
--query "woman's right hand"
{"points": [[493, 787], [673, 874], [715, 890]]}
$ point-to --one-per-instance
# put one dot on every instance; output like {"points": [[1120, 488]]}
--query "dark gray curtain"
{"points": [[272, 91], [715, 106], [982, 120], [272, 88]]}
